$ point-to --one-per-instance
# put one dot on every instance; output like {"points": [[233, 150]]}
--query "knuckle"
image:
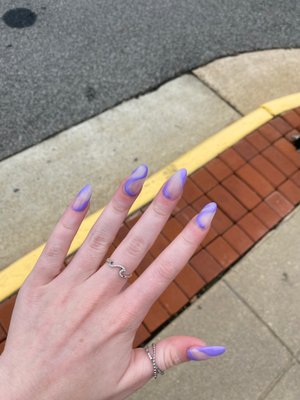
{"points": [[118, 207], [171, 357], [136, 246], [165, 269], [67, 226], [54, 250], [98, 241], [125, 321], [160, 209], [188, 239]]}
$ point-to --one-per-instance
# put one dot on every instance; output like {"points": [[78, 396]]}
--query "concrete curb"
{"points": [[12, 277]]}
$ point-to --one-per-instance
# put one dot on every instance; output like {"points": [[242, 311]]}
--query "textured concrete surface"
{"points": [[268, 279], [254, 357], [156, 128], [249, 80], [288, 388], [80, 58], [253, 312]]}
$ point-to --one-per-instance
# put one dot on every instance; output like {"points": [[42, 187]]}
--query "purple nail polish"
{"points": [[205, 352], [135, 182], [206, 215], [82, 199], [173, 187]]}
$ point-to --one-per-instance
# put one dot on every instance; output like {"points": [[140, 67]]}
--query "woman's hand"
{"points": [[72, 327]]}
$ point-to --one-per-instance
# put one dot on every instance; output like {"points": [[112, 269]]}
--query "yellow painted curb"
{"points": [[12, 277], [278, 106]]}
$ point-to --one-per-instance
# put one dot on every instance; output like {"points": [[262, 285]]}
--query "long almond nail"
{"points": [[83, 198], [206, 215], [205, 352], [135, 181], [174, 186]]}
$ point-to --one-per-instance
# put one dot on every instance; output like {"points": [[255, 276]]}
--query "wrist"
{"points": [[10, 385], [5, 385]]}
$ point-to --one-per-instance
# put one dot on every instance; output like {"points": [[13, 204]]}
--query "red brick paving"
{"points": [[245, 149], [218, 169], [266, 215], [281, 125], [221, 250], [206, 265], [238, 239], [268, 170], [254, 228], [258, 140], [270, 132], [204, 180], [232, 159], [255, 180], [255, 183]]}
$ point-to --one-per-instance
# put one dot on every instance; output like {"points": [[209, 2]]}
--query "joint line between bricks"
{"points": [[259, 317], [219, 95]]}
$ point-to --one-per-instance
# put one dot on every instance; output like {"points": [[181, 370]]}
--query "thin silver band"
{"points": [[156, 370], [122, 272]]}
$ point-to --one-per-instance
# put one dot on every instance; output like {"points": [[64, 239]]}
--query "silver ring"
{"points": [[156, 370], [123, 273]]}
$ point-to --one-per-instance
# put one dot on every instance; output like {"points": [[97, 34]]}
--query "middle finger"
{"points": [[139, 240]]}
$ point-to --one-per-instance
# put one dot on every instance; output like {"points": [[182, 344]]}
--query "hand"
{"points": [[72, 327]]}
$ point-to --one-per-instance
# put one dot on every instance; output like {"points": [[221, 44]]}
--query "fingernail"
{"points": [[206, 215], [173, 187], [135, 182], [205, 352], [82, 199]]}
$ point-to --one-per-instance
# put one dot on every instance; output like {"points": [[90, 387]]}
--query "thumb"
{"points": [[171, 351]]}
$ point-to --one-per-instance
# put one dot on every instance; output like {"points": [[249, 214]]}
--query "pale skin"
{"points": [[73, 326]]}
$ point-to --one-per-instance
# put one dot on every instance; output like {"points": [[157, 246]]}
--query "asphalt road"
{"points": [[62, 62]]}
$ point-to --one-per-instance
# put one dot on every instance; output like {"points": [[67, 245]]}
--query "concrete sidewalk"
{"points": [[254, 312]]}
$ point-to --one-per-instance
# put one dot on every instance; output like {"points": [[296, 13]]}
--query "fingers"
{"points": [[51, 260], [169, 352], [89, 257], [157, 277], [141, 237]]}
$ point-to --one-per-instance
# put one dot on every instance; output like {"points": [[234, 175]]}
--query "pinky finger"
{"points": [[51, 261]]}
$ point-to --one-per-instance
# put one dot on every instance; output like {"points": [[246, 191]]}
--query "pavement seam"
{"points": [[276, 381], [217, 93], [244, 301]]}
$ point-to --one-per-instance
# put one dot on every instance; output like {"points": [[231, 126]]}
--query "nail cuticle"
{"points": [[206, 215], [83, 198], [135, 182], [174, 186]]}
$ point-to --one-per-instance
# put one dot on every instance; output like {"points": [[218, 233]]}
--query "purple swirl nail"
{"points": [[82, 199], [174, 186], [135, 181], [206, 215], [205, 352]]}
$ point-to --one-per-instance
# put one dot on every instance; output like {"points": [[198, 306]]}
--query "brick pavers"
{"points": [[256, 183]]}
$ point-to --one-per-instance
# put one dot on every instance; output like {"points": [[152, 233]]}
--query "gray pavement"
{"points": [[252, 311], [81, 58], [155, 129], [262, 75]]}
